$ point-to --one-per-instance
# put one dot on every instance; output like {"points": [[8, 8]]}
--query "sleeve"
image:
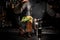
{"points": [[28, 9], [23, 7]]}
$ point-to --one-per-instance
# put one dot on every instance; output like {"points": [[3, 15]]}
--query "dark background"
{"points": [[39, 10]]}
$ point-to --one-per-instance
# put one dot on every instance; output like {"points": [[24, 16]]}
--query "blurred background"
{"points": [[48, 13]]}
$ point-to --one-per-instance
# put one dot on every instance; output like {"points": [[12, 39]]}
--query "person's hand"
{"points": [[25, 1], [22, 31]]}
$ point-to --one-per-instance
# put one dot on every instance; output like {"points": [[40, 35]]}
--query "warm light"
{"points": [[25, 0]]}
